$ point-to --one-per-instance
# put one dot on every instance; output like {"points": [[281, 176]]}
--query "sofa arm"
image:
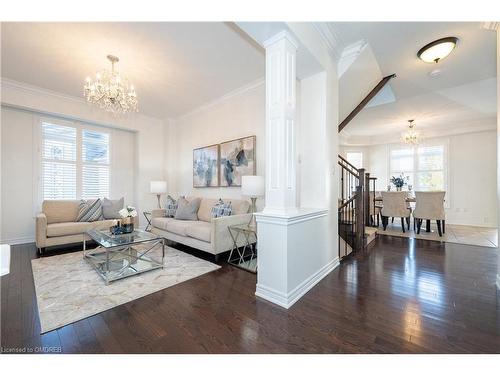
{"points": [[158, 212], [221, 239], [41, 230]]}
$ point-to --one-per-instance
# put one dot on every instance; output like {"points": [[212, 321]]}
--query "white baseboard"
{"points": [[498, 281], [287, 300]]}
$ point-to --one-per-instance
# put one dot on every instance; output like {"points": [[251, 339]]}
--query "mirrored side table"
{"points": [[244, 252], [147, 215]]}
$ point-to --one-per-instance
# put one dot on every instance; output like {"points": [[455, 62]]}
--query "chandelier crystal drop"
{"points": [[110, 91], [411, 136]]}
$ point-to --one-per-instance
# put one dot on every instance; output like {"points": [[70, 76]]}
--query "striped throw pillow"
{"points": [[90, 210]]}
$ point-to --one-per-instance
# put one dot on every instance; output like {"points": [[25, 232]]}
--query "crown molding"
{"points": [[239, 91], [331, 39], [493, 26], [10, 83], [388, 138]]}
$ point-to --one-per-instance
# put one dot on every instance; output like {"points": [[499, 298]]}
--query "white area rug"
{"points": [[68, 289]]}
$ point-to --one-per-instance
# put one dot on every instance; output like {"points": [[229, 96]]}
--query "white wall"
{"points": [[29, 102], [238, 114], [471, 196]]}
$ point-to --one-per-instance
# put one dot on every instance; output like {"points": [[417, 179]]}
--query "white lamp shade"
{"points": [[253, 186], [158, 187]]}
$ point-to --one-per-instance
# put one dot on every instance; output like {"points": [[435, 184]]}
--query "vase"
{"points": [[127, 225], [399, 188]]}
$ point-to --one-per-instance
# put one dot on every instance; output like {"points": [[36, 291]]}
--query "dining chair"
{"points": [[375, 208], [395, 205], [430, 206]]}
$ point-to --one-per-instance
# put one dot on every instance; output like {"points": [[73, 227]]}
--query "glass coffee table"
{"points": [[124, 255]]}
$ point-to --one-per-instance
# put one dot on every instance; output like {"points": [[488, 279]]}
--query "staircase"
{"points": [[354, 222], [356, 227]]}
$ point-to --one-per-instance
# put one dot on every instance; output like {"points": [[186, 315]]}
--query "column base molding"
{"points": [[286, 300], [289, 217]]}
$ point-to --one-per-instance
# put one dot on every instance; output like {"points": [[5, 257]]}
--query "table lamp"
{"points": [[253, 187], [158, 188]]}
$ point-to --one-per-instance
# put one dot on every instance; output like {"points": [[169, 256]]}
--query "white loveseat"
{"points": [[207, 233], [57, 225]]}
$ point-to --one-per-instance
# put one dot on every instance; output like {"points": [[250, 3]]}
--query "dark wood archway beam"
{"points": [[365, 101]]}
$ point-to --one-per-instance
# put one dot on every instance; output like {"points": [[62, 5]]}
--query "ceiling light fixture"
{"points": [[411, 136], [437, 50], [110, 91]]}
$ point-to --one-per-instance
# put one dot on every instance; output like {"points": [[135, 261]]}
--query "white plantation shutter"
{"points": [[95, 164], [75, 162], [58, 161]]}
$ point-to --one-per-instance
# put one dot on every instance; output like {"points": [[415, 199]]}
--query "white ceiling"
{"points": [[175, 67], [462, 95]]}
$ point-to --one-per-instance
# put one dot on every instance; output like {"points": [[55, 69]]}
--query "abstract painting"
{"points": [[206, 166], [237, 158]]}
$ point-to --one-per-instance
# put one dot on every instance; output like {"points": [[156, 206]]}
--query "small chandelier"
{"points": [[411, 136], [110, 91]]}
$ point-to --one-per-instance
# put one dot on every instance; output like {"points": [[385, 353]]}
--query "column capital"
{"points": [[284, 34]]}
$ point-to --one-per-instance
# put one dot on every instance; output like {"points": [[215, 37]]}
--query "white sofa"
{"points": [[207, 234]]}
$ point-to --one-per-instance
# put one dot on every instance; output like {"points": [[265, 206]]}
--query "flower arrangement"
{"points": [[400, 181], [128, 211]]}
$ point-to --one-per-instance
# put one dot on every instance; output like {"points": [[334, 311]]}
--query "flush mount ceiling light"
{"points": [[110, 91], [411, 136], [437, 50]]}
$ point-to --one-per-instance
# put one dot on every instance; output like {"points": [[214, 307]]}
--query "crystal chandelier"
{"points": [[110, 91], [411, 136]]}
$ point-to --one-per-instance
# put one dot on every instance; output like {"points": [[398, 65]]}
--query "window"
{"points": [[355, 158], [424, 165], [75, 162]]}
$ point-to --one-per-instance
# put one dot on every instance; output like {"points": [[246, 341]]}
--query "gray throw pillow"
{"points": [[187, 210], [111, 207]]}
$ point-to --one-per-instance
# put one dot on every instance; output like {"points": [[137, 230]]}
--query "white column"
{"points": [[293, 252], [281, 191]]}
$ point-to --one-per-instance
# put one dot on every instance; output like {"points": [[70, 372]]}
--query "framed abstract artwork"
{"points": [[206, 166], [237, 158]]}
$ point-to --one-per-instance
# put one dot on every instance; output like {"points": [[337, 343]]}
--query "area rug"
{"points": [[68, 289]]}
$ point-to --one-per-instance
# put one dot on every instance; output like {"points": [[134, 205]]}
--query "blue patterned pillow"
{"points": [[171, 207], [90, 210], [221, 209], [217, 209], [227, 209]]}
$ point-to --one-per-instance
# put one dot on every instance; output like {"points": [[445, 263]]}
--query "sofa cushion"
{"points": [[60, 211], [179, 226], [76, 227], [205, 210], [111, 207], [200, 230], [161, 222]]}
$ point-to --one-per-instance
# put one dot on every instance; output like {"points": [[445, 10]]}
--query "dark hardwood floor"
{"points": [[401, 296]]}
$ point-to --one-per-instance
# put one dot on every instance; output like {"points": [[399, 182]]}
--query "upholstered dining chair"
{"points": [[375, 208], [395, 205], [430, 206]]}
